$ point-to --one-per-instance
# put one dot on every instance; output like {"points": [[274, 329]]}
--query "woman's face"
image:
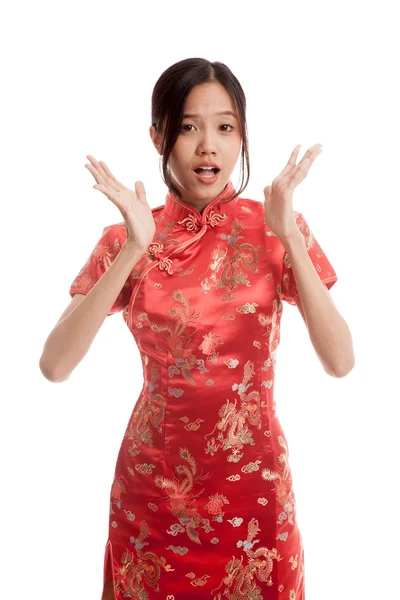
{"points": [[207, 137]]}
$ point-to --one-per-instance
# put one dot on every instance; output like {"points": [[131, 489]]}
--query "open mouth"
{"points": [[205, 172], [207, 176]]}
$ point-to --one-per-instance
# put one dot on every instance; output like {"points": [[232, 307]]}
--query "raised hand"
{"points": [[133, 205], [279, 197]]}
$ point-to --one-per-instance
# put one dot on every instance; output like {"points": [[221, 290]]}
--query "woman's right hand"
{"points": [[133, 205]]}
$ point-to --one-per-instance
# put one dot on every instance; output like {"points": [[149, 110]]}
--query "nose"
{"points": [[207, 141]]}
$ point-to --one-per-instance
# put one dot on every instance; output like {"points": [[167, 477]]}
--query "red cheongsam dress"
{"points": [[202, 503]]}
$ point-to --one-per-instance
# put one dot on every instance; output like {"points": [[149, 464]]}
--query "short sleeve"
{"points": [[319, 259], [101, 257]]}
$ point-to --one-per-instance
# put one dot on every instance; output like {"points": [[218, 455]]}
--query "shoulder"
{"points": [[249, 206], [117, 230], [257, 209], [251, 212]]}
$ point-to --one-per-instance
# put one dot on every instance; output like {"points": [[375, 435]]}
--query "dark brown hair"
{"points": [[168, 100]]}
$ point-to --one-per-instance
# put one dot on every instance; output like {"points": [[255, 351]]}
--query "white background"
{"points": [[77, 79]]}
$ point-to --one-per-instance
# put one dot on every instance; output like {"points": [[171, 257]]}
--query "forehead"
{"points": [[209, 100]]}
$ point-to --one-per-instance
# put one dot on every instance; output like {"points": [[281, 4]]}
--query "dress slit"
{"points": [[108, 571]]}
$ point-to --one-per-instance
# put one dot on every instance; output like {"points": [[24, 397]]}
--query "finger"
{"points": [[95, 173], [106, 191], [97, 165], [267, 193], [108, 177], [93, 163], [140, 191], [109, 174], [292, 160], [104, 180], [93, 169], [311, 155], [297, 173], [107, 182], [301, 172], [294, 155], [101, 188]]}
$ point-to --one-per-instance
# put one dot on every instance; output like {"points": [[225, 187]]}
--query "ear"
{"points": [[155, 138]]}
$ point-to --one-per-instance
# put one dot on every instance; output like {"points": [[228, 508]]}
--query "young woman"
{"points": [[202, 503]]}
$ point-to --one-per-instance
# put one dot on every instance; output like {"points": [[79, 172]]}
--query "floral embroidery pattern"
{"points": [[214, 506]]}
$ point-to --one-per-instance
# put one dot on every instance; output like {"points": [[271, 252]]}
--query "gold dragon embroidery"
{"points": [[178, 336], [133, 576], [148, 414], [245, 255], [283, 487], [240, 580], [182, 502], [233, 431]]}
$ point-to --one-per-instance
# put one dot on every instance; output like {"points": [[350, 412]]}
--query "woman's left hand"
{"points": [[278, 204]]}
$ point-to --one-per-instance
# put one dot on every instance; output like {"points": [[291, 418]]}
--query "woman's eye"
{"points": [[190, 125]]}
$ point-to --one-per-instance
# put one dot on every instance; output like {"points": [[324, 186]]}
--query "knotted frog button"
{"points": [[214, 218], [193, 223], [165, 265], [155, 250]]}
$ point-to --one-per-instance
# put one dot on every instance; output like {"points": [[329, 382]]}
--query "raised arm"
{"points": [[77, 327], [104, 279]]}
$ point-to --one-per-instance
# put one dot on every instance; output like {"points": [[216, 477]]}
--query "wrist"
{"points": [[292, 241], [132, 247]]}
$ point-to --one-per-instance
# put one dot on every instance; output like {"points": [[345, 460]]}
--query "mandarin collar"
{"points": [[215, 213]]}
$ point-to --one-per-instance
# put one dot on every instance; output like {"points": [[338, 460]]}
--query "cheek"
{"points": [[235, 151], [179, 159]]}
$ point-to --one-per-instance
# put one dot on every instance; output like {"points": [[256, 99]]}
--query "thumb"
{"points": [[267, 192], [140, 191]]}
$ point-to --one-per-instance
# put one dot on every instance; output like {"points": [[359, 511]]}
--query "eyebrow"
{"points": [[224, 112]]}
